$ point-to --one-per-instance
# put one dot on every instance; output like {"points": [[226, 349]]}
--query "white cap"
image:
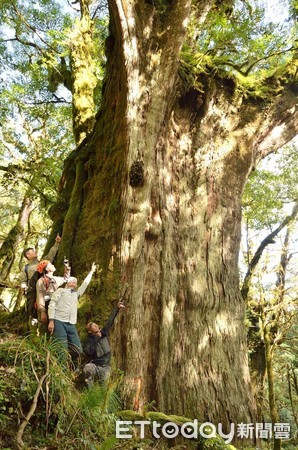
{"points": [[70, 279]]}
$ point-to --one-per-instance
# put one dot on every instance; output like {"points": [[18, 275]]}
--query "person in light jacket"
{"points": [[62, 314]]}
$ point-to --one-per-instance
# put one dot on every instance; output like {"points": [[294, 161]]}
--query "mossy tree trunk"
{"points": [[269, 354], [159, 209], [83, 73], [14, 237], [81, 81]]}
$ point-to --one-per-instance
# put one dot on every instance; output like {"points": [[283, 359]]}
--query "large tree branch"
{"points": [[101, 7], [48, 102], [280, 126], [13, 168], [240, 67], [28, 44], [264, 58], [265, 242]]}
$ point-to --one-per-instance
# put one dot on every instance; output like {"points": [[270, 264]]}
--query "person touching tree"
{"points": [[98, 349]]}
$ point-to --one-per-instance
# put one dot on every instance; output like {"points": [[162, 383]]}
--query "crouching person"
{"points": [[98, 349], [62, 314]]}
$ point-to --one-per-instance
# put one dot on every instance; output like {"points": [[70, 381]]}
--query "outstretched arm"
{"points": [[87, 280], [52, 253], [110, 322]]}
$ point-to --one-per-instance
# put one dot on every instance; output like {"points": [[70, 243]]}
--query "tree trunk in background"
{"points": [[255, 339], [14, 237], [155, 200], [269, 351], [83, 73], [272, 329], [83, 80]]}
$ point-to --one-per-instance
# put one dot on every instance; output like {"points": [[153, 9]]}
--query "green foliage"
{"points": [[98, 405], [286, 376], [35, 125], [65, 416], [271, 187], [273, 288], [37, 114], [35, 130], [23, 363], [235, 40]]}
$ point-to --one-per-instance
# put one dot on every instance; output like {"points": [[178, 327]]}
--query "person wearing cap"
{"points": [[98, 348], [31, 255], [46, 285], [27, 273], [62, 314]]}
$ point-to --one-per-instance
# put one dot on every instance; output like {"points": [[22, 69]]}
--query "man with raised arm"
{"points": [[29, 269], [62, 314], [32, 260], [98, 349]]}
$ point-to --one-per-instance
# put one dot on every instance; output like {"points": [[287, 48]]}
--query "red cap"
{"points": [[42, 265]]}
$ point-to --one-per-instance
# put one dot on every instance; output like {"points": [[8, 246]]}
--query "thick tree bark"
{"points": [[160, 209]]}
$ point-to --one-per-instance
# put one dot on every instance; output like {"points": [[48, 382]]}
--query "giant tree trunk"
{"points": [[157, 204]]}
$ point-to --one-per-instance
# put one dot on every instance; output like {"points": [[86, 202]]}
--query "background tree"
{"points": [[269, 287], [46, 97], [274, 309], [35, 128], [31, 151], [9, 245]]}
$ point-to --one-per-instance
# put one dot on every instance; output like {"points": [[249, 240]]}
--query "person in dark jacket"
{"points": [[98, 348]]}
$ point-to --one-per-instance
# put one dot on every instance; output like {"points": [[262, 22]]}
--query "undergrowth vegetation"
{"points": [[42, 402], [44, 405]]}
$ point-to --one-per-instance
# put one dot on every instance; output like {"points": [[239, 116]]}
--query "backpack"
{"points": [[31, 294]]}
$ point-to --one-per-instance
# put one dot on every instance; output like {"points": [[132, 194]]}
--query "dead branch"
{"points": [[19, 440]]}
